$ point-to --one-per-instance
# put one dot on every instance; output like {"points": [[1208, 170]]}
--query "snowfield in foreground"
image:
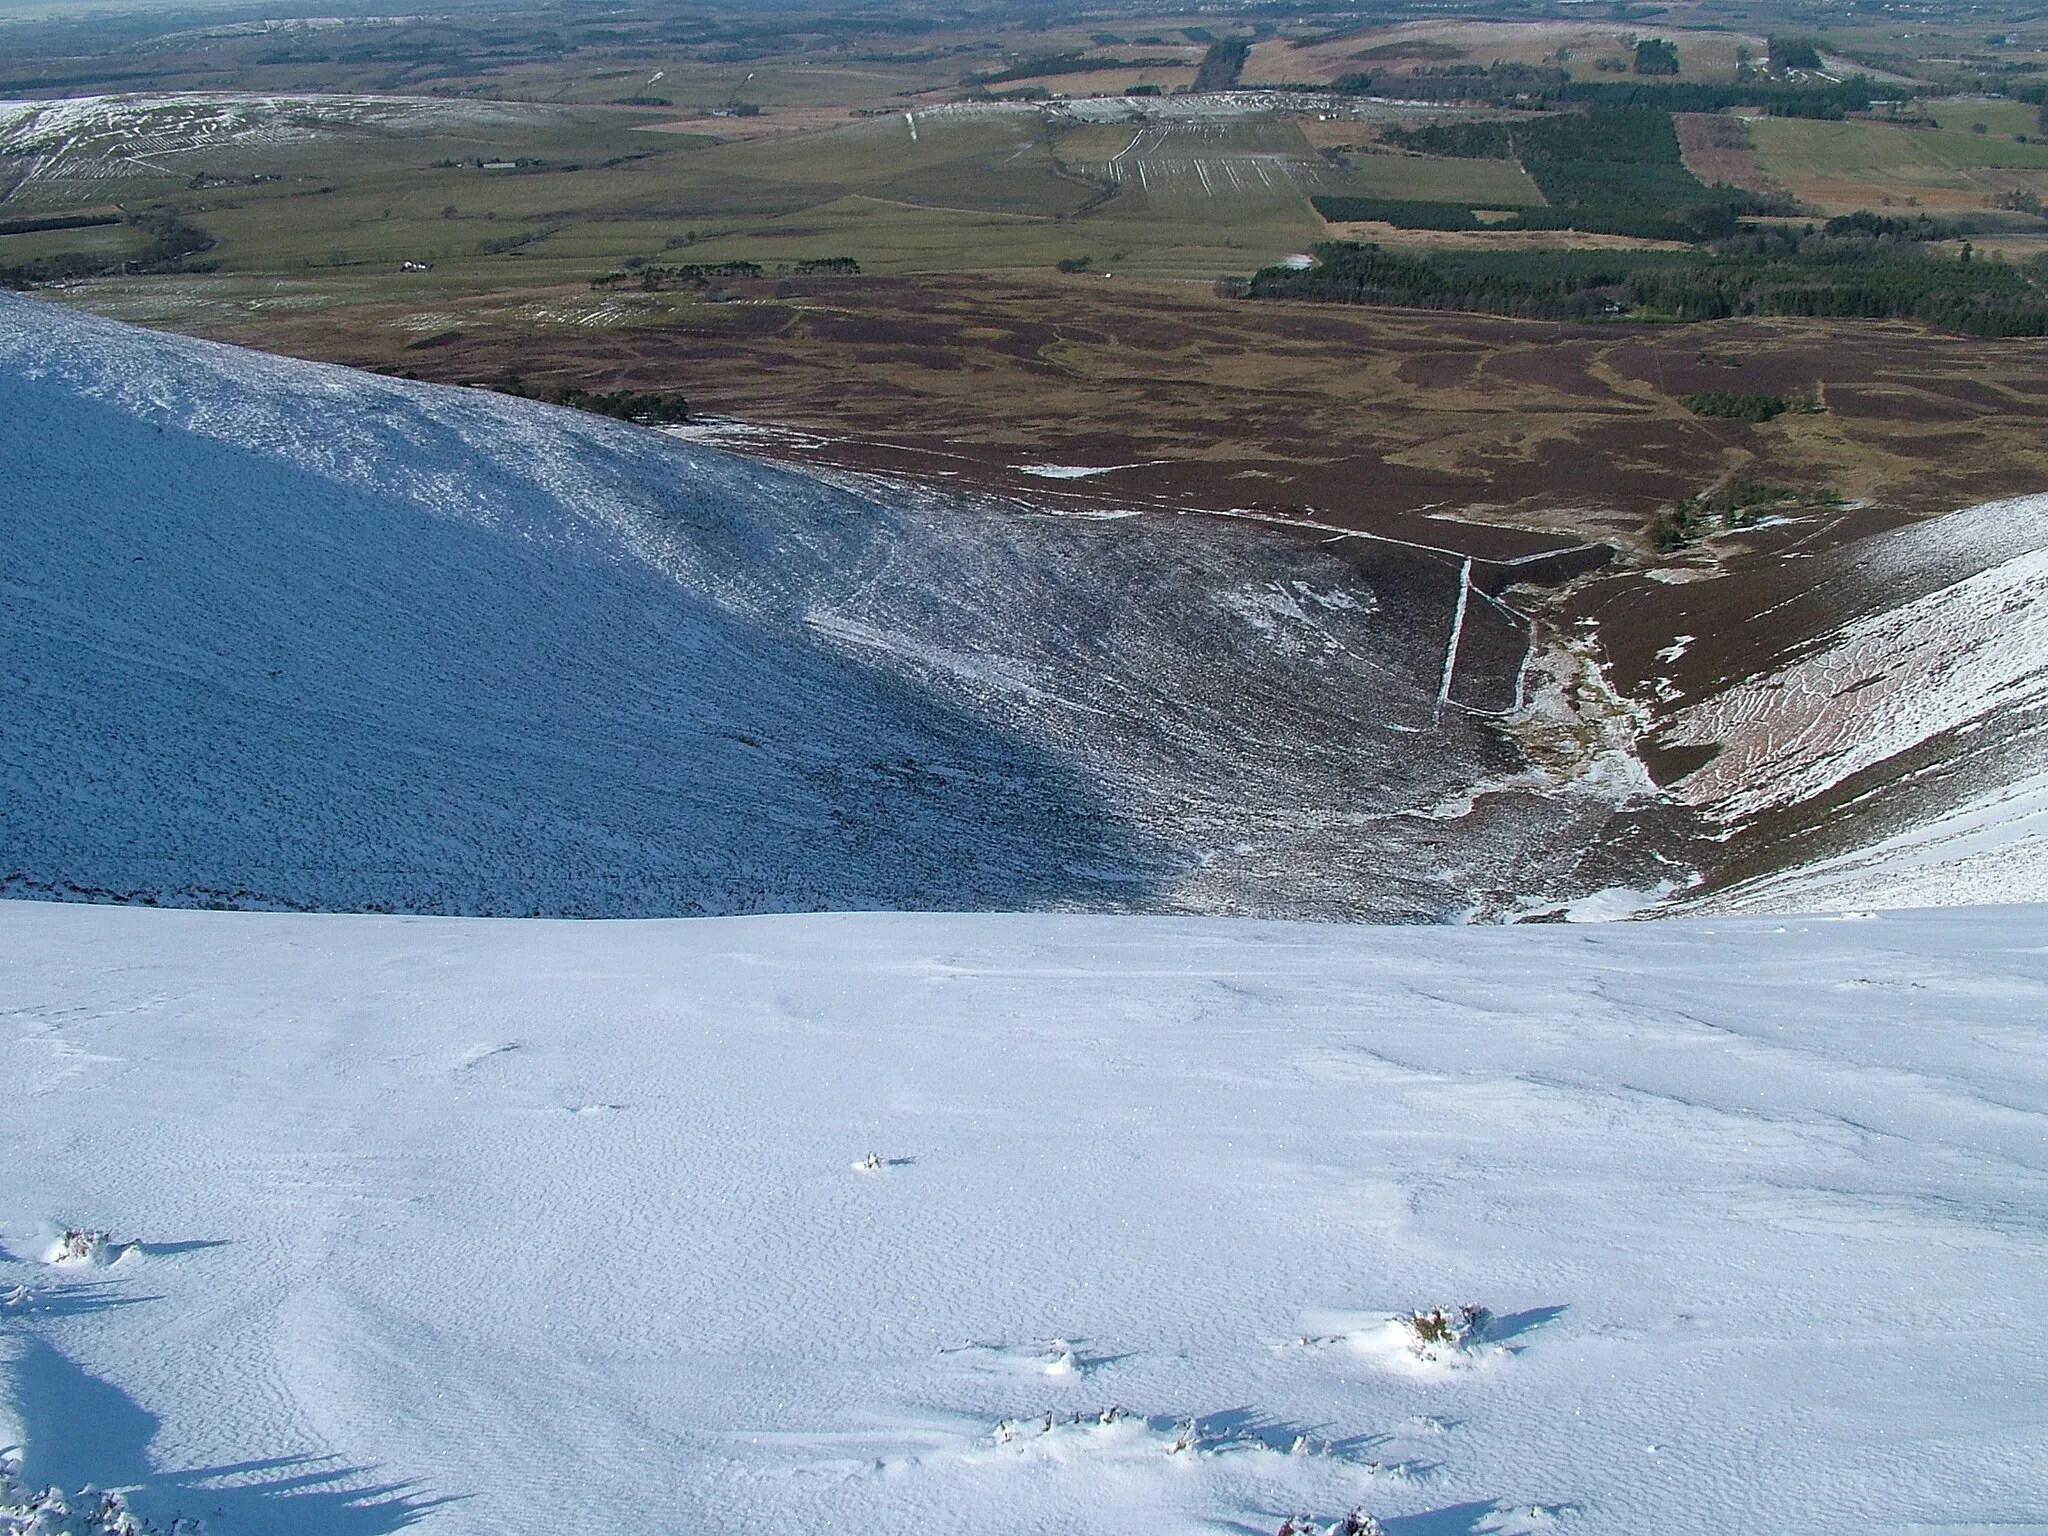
{"points": [[506, 1227]]}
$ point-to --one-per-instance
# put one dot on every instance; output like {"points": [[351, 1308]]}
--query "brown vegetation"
{"points": [[1718, 149], [1346, 416]]}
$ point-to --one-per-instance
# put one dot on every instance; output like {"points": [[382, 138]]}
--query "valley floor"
{"points": [[514, 1227]]}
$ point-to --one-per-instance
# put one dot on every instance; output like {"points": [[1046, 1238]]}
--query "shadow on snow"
{"points": [[84, 1430]]}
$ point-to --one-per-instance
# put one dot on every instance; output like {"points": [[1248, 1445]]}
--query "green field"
{"points": [[543, 196], [116, 241], [1867, 163], [2001, 119], [1430, 178]]}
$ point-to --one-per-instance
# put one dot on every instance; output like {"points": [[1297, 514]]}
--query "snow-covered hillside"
{"points": [[509, 1227], [1896, 757], [278, 634], [79, 145]]}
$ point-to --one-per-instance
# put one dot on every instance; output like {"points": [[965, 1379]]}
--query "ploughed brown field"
{"points": [[1349, 416]]}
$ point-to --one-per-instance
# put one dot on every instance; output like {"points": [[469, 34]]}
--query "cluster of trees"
{"points": [[1490, 140], [1620, 171], [1222, 64], [1504, 84], [1610, 171], [172, 242], [647, 408], [702, 274], [2036, 93], [1976, 298], [57, 221], [1794, 53], [650, 408], [1751, 405], [1403, 213], [1739, 503], [1054, 64], [697, 274], [1830, 102], [1654, 56], [1857, 275], [1548, 285]]}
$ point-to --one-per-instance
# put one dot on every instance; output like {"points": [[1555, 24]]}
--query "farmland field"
{"points": [[1481, 183], [1032, 274], [1390, 52], [1845, 166]]}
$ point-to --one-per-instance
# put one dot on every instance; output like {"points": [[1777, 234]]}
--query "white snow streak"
{"points": [[1875, 688]]}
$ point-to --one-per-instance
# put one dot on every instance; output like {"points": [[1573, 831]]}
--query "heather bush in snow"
{"points": [[79, 1246], [1356, 1523], [1438, 1332], [83, 1245], [89, 1512]]}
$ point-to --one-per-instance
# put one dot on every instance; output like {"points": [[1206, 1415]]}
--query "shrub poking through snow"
{"points": [[82, 1245], [1439, 1333], [89, 1512], [78, 1246], [1114, 1433], [1356, 1523], [1429, 1342]]}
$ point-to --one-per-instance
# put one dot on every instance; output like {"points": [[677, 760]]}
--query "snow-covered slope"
{"points": [[1993, 848], [1895, 756], [1884, 683], [290, 636], [278, 634], [545, 1227]]}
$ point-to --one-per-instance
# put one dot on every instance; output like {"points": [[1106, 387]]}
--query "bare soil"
{"points": [[1717, 149]]}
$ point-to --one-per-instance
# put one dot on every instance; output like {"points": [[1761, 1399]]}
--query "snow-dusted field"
{"points": [[111, 138], [509, 1227]]}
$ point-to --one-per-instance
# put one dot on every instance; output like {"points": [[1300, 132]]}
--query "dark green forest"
{"points": [[1834, 272], [1611, 170]]}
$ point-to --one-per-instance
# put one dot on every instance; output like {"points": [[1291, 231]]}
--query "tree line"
{"points": [[172, 242], [1611, 170], [1849, 274]]}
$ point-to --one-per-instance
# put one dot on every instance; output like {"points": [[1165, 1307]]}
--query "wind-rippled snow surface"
{"points": [[573, 1228], [282, 635]]}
